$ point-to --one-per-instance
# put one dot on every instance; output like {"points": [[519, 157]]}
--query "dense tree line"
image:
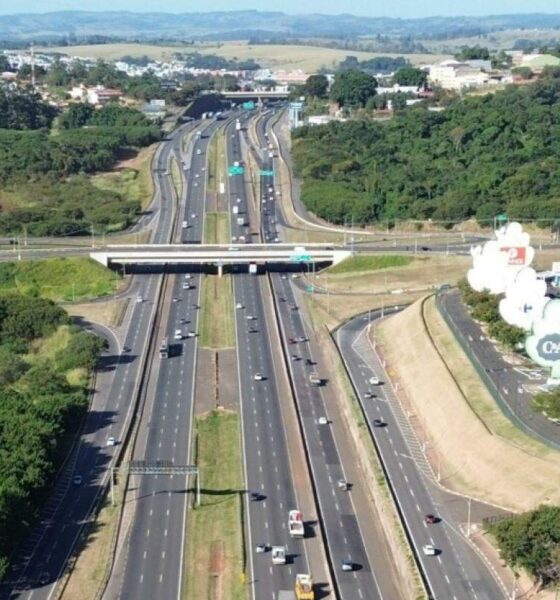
{"points": [[196, 60], [531, 541], [39, 410], [24, 109], [484, 307], [379, 64], [46, 172], [479, 157]]}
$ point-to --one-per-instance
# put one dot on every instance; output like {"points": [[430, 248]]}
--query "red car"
{"points": [[431, 519]]}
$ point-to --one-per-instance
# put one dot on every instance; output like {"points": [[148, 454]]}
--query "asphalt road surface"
{"points": [[455, 572], [267, 465]]}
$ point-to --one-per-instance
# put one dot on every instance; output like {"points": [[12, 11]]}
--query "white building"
{"points": [[455, 75], [97, 95]]}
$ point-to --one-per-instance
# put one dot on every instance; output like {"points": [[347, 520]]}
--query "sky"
{"points": [[373, 8]]}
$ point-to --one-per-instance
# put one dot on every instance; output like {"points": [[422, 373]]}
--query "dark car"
{"points": [[431, 519], [378, 423]]}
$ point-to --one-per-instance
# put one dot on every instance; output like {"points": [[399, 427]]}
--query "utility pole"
{"points": [[92, 237], [469, 519], [32, 65]]}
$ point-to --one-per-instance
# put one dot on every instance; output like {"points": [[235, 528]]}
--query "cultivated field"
{"points": [[308, 58]]}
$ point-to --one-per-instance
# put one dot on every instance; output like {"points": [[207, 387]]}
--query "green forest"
{"points": [[44, 189], [44, 368], [531, 541], [480, 156]]}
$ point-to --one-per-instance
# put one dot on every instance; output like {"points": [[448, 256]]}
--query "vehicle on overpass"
{"points": [[295, 524], [304, 587], [164, 348]]}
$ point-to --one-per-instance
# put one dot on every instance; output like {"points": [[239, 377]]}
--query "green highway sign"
{"points": [[236, 170], [300, 258], [310, 288], [249, 105], [268, 173]]}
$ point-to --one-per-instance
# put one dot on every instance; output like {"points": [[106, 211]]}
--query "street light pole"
{"points": [[469, 518]]}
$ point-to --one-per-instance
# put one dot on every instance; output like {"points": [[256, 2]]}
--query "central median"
{"points": [[215, 567]]}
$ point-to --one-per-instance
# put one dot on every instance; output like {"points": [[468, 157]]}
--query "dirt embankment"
{"points": [[507, 467]]}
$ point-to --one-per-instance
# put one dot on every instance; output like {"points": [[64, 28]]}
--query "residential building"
{"points": [[455, 75]]}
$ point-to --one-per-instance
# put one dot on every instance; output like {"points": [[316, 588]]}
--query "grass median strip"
{"points": [[216, 228], [217, 329], [215, 561]]}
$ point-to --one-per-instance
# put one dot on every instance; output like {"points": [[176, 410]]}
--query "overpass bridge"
{"points": [[264, 95], [219, 255]]}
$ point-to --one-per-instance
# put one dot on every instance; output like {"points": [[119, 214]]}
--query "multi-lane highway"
{"points": [[271, 493], [339, 517], [151, 562], [40, 561], [455, 571]]}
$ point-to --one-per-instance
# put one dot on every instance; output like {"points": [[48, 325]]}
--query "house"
{"points": [[98, 95], [154, 110], [455, 75]]}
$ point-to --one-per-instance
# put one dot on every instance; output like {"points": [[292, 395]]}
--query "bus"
{"points": [[164, 348]]}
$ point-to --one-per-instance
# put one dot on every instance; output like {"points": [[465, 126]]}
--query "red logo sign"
{"points": [[516, 256]]}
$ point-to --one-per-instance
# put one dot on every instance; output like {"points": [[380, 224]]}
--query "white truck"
{"points": [[235, 210], [295, 524], [240, 221]]}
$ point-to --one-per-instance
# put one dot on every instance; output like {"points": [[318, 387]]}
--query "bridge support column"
{"points": [[220, 270]]}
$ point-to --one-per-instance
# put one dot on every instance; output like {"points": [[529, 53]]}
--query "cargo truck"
{"points": [[304, 587], [295, 524], [286, 595]]}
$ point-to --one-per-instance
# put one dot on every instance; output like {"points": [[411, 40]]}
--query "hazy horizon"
{"points": [[398, 8]]}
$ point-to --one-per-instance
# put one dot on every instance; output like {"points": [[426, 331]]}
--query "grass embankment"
{"points": [[132, 179], [94, 552], [366, 262], [216, 228], [482, 452], [352, 292], [216, 322], [59, 279], [214, 561]]}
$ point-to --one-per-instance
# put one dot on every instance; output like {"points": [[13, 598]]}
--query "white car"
{"points": [[193, 216], [186, 286], [429, 550], [139, 299], [258, 377], [77, 480], [178, 335], [250, 318], [239, 305], [188, 276], [374, 380], [111, 441], [322, 421], [260, 548], [184, 224]]}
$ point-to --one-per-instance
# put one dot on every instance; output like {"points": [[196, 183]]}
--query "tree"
{"points": [[531, 541], [399, 101], [316, 86], [411, 76], [548, 402], [352, 89], [76, 116], [473, 53]]}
